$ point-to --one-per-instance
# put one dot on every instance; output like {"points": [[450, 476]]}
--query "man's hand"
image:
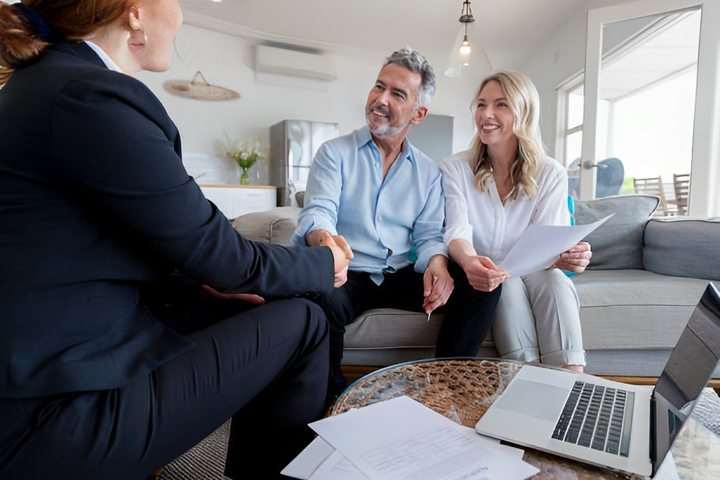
{"points": [[483, 275], [437, 282], [342, 254], [575, 259], [209, 292]]}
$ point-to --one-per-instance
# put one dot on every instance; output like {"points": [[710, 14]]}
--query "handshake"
{"points": [[342, 254]]}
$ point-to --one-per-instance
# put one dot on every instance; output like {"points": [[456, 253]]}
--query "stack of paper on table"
{"points": [[401, 439]]}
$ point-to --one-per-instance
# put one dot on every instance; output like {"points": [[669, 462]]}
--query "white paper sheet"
{"points": [[317, 462], [308, 461], [540, 245], [667, 470], [400, 437], [337, 467]]}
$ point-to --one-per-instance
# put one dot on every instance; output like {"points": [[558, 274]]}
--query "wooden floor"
{"points": [[354, 372]]}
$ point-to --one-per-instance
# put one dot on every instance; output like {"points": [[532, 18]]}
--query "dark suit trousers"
{"points": [[266, 367], [468, 318]]}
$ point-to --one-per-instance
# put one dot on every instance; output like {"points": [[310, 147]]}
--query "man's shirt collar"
{"points": [[364, 137]]}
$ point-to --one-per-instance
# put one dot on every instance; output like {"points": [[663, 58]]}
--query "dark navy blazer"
{"points": [[95, 206]]}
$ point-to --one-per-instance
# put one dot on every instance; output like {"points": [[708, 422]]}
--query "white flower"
{"points": [[244, 153]]}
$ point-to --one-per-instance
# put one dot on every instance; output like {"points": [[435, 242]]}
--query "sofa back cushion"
{"points": [[617, 243], [683, 247], [272, 226]]}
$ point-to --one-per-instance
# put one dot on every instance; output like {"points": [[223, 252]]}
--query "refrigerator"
{"points": [[293, 144]]}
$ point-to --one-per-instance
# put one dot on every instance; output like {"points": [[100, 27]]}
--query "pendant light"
{"points": [[462, 55]]}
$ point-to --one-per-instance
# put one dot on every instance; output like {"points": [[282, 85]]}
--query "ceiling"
{"points": [[668, 47], [510, 30]]}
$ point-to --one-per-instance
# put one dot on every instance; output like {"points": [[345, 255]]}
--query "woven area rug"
{"points": [[206, 460]]}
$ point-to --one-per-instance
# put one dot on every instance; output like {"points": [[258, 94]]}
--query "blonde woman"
{"points": [[493, 191]]}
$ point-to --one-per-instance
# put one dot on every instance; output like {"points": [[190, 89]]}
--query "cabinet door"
{"points": [[236, 201], [221, 197], [252, 200]]}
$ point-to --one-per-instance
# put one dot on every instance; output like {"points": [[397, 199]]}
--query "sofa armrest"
{"points": [[271, 226], [683, 247]]}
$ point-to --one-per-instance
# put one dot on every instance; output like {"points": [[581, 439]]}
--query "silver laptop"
{"points": [[606, 423]]}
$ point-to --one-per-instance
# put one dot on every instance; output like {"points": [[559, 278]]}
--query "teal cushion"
{"points": [[618, 243], [571, 209]]}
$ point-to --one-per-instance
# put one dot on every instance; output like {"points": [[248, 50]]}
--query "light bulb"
{"points": [[465, 48]]}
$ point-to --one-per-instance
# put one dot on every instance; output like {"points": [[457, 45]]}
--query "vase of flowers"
{"points": [[245, 154]]}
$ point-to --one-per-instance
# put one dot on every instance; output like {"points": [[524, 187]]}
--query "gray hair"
{"points": [[416, 62]]}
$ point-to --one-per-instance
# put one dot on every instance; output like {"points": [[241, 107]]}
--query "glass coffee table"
{"points": [[462, 389]]}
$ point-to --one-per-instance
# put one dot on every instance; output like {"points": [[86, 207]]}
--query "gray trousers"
{"points": [[538, 319]]}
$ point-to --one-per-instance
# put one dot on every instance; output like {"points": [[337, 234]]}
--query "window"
{"points": [[646, 103]]}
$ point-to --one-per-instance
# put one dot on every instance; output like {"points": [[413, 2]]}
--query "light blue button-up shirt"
{"points": [[381, 220]]}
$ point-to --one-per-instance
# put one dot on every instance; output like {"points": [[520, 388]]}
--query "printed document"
{"points": [[540, 245], [401, 438]]}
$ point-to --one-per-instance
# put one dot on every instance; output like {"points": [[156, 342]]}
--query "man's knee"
{"points": [[339, 310]]}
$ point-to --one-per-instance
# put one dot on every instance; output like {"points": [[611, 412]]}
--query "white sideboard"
{"points": [[236, 200]]}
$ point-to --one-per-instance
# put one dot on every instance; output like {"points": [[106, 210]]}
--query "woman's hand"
{"points": [[482, 273], [575, 259], [209, 292]]}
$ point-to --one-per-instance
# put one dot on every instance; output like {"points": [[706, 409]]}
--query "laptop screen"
{"points": [[686, 373]]}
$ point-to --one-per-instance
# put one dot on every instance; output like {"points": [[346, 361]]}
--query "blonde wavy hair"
{"points": [[523, 99]]}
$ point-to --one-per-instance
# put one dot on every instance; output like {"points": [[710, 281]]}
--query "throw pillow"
{"points": [[618, 243]]}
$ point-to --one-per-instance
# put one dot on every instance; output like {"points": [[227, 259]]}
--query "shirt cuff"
{"points": [[427, 251], [309, 223], [458, 232]]}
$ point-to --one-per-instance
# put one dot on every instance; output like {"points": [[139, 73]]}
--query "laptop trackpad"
{"points": [[534, 399]]}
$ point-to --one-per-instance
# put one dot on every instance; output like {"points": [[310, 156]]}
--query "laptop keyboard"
{"points": [[597, 417]]}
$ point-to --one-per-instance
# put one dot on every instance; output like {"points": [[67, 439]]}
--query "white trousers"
{"points": [[538, 319]]}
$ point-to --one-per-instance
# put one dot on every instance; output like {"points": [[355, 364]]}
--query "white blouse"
{"points": [[482, 219]]}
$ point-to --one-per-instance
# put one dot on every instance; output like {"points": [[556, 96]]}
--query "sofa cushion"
{"points": [[618, 243], [683, 247], [384, 336], [634, 309], [273, 226], [393, 328]]}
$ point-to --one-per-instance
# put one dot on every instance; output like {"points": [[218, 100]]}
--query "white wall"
{"points": [[220, 57], [705, 181], [559, 59]]}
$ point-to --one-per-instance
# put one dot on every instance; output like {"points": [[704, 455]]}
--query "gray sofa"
{"points": [[645, 278]]}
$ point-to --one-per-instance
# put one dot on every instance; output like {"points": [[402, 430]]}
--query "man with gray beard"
{"points": [[385, 198]]}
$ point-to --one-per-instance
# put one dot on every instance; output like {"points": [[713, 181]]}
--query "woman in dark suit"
{"points": [[111, 365]]}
